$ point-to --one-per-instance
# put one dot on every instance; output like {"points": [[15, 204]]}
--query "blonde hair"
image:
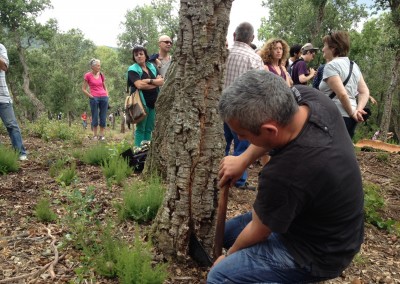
{"points": [[267, 50]]}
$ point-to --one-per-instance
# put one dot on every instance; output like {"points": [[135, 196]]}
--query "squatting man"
{"points": [[306, 224]]}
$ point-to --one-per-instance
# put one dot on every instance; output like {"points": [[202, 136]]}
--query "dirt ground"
{"points": [[27, 246]]}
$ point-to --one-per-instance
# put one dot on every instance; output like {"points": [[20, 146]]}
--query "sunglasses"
{"points": [[167, 42]]}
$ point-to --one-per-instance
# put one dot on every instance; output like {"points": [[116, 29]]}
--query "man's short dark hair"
{"points": [[294, 49], [244, 33]]}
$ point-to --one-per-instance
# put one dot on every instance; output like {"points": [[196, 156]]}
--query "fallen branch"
{"points": [[32, 274], [49, 266], [55, 261], [16, 237], [377, 174]]}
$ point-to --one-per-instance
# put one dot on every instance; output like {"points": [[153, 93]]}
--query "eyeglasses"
{"points": [[167, 42]]}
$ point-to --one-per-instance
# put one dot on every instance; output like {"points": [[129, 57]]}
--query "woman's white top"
{"points": [[340, 66]]}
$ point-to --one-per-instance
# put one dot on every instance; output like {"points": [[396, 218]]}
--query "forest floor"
{"points": [[26, 245]]}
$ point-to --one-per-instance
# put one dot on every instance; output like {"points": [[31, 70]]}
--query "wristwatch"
{"points": [[151, 82]]}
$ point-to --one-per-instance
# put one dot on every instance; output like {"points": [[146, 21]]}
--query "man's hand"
{"points": [[231, 169]]}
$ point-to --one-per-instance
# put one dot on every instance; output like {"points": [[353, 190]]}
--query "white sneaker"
{"points": [[23, 158]]}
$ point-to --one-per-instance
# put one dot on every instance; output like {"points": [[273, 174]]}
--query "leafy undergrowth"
{"points": [[89, 223]]}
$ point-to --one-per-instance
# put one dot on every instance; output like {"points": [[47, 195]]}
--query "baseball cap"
{"points": [[307, 47]]}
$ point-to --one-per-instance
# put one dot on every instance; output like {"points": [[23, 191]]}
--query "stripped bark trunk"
{"points": [[38, 105], [188, 140], [388, 98]]}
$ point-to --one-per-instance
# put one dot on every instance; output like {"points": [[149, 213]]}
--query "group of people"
{"points": [[306, 224], [146, 74]]}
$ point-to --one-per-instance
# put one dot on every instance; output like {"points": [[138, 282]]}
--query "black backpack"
{"points": [[294, 63]]}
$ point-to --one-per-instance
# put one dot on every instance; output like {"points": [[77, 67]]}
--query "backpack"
{"points": [[291, 67]]}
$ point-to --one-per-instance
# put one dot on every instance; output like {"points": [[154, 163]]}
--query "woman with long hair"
{"points": [[274, 54]]}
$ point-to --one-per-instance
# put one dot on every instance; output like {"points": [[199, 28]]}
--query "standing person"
{"points": [[241, 58], [6, 108], [299, 72], [162, 59], [335, 51], [84, 120], [318, 76], [273, 54], [144, 76], [98, 95], [307, 222], [294, 55]]}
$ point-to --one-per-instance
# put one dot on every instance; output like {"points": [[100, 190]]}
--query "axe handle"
{"points": [[221, 216]]}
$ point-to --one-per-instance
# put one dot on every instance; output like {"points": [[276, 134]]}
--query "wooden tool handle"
{"points": [[220, 226]]}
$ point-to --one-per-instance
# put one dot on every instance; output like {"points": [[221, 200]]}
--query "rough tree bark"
{"points": [[187, 144], [394, 6], [37, 104]]}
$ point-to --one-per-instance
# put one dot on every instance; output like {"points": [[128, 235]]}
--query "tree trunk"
{"points": [[188, 142], [37, 104], [388, 98]]}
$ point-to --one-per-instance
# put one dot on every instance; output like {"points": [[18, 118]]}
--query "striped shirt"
{"points": [[4, 94], [241, 59]]}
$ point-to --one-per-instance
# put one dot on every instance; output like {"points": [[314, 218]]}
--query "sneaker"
{"points": [[102, 138], [246, 186], [23, 158], [95, 138]]}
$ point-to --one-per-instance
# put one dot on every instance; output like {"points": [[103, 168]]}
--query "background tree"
{"points": [[140, 27], [18, 21], [188, 140], [391, 113], [309, 20]]}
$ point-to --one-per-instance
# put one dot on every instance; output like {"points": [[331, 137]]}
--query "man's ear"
{"points": [[269, 128]]}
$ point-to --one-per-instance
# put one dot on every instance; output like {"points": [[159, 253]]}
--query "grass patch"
{"points": [[67, 175], [95, 155], [116, 170], [56, 167], [383, 157], [8, 160], [43, 211], [50, 130], [141, 200], [373, 205]]}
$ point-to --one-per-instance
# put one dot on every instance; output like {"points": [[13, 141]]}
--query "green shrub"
{"points": [[95, 155], [43, 211], [8, 160], [67, 175], [55, 130], [56, 167], [142, 200], [134, 265], [383, 157], [373, 203], [116, 170], [81, 211]]}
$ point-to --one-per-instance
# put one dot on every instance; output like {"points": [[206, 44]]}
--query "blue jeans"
{"points": [[98, 107], [265, 262], [10, 122], [239, 146]]}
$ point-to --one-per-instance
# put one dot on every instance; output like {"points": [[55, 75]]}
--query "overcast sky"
{"points": [[100, 20]]}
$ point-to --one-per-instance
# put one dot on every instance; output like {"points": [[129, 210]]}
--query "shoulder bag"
{"points": [[366, 109]]}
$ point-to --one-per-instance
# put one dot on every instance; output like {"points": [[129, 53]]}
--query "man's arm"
{"points": [[3, 65], [3, 58], [231, 168], [253, 233], [304, 79]]}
